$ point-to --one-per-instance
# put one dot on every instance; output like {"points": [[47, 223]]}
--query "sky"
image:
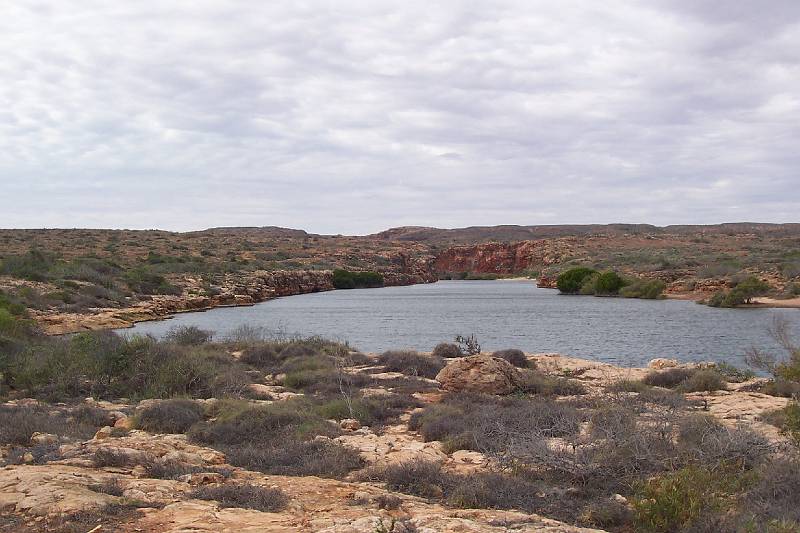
{"points": [[356, 116]]}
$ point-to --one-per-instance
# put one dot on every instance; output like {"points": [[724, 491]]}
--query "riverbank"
{"points": [[234, 291]]}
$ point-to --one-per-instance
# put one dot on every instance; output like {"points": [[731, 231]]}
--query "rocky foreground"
{"points": [[114, 481]]}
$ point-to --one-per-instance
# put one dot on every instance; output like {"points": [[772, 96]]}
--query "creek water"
{"points": [[504, 314]]}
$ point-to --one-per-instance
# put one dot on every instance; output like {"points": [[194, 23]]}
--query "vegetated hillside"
{"points": [[150, 274], [511, 233]]}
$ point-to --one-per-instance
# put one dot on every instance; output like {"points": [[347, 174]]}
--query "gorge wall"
{"points": [[502, 258]]}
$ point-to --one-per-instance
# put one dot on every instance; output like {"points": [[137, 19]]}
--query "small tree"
{"points": [[609, 283], [570, 282], [745, 291]]}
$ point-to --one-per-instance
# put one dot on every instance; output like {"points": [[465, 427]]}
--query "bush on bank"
{"points": [[587, 281], [345, 279]]}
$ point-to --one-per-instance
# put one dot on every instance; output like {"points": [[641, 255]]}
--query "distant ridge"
{"points": [[521, 233]]}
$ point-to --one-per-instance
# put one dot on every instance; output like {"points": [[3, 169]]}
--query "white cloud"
{"points": [[356, 116]]}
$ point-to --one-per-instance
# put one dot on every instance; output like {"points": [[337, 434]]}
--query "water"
{"points": [[505, 314]]}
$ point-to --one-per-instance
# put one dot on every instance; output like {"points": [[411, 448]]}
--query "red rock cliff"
{"points": [[501, 258]]}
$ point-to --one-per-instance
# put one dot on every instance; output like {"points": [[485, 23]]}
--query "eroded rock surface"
{"points": [[479, 373]]}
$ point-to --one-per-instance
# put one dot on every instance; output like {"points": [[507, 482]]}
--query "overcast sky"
{"points": [[352, 117]]}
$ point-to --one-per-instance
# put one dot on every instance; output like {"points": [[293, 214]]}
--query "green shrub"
{"points": [[570, 281], [703, 381], [609, 283], [644, 289], [675, 501], [370, 411], [345, 279], [143, 281], [34, 265]]}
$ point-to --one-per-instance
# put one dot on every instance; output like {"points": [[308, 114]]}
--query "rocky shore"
{"points": [[234, 290]]}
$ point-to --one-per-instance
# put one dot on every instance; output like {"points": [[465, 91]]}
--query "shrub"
{"points": [[262, 356], [469, 345], [417, 476], [18, 424], [514, 356], [627, 385], [243, 496], [162, 468], [676, 501], [110, 486], [188, 335], [492, 490], [703, 380], [369, 411], [533, 382], [292, 457], [235, 424], [390, 502], [670, 378], [570, 281], [485, 423], [447, 350], [170, 416], [345, 279], [608, 283], [781, 388], [645, 289], [773, 498], [411, 363], [734, 374], [141, 280], [110, 457]]}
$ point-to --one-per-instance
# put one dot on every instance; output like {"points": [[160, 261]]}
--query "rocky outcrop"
{"points": [[502, 258], [233, 290], [479, 373]]}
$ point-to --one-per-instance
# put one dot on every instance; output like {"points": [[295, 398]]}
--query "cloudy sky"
{"points": [[352, 117]]}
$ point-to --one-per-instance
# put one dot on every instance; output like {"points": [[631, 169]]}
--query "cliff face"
{"points": [[502, 258]]}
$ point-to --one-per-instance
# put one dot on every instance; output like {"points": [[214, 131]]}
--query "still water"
{"points": [[504, 314]]}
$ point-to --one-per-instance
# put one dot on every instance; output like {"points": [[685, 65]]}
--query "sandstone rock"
{"points": [[103, 433], [259, 391], [202, 478], [124, 422], [479, 373], [43, 438], [661, 363], [350, 424]]}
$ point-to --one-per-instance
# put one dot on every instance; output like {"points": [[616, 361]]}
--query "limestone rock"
{"points": [[479, 373], [661, 363], [103, 433], [350, 424], [43, 438]]}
